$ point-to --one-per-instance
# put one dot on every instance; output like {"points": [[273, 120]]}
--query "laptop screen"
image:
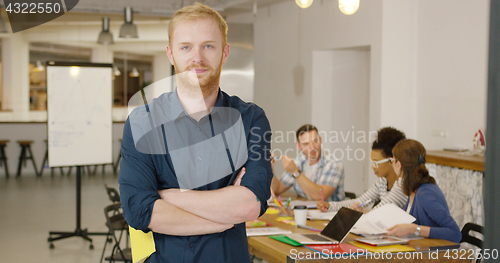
{"points": [[341, 224]]}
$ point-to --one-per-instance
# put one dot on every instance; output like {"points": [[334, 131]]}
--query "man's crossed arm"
{"points": [[204, 212]]}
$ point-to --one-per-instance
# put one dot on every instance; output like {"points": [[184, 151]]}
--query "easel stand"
{"points": [[79, 232]]}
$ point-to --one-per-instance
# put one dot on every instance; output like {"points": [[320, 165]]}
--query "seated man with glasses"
{"points": [[387, 188]]}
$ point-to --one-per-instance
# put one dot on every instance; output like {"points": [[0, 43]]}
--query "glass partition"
{"points": [[132, 72]]}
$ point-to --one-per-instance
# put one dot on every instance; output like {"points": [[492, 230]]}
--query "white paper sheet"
{"points": [[266, 231], [318, 215], [377, 221]]}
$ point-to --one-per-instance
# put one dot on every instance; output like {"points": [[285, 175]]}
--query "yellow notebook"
{"points": [[142, 244], [385, 249]]}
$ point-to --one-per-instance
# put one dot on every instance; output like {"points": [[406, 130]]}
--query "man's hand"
{"points": [[400, 230], [272, 161], [323, 206], [288, 164], [237, 180]]}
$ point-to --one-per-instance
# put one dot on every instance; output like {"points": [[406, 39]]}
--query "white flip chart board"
{"points": [[79, 109]]}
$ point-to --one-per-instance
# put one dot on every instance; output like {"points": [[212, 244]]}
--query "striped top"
{"points": [[378, 192]]}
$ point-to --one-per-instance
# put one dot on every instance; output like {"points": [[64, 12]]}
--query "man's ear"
{"points": [[225, 54], [169, 55]]}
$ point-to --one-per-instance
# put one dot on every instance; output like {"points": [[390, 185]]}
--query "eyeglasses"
{"points": [[376, 163]]}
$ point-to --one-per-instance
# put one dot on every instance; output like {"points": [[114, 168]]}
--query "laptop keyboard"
{"points": [[316, 237]]}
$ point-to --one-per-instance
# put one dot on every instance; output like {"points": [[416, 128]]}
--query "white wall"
{"points": [[341, 91], [434, 69], [427, 64], [322, 27], [398, 97], [452, 70]]}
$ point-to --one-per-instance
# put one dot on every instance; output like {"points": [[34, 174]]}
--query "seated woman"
{"points": [[387, 188], [426, 201]]}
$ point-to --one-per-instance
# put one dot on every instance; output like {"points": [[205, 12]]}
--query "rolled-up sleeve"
{"points": [[138, 183], [258, 174]]}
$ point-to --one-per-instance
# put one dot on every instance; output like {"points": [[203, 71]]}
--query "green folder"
{"points": [[286, 240]]}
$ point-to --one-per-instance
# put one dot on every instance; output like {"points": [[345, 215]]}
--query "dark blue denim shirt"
{"points": [[147, 166]]}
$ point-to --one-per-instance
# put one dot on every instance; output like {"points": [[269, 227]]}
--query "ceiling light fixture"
{"points": [[134, 73], [39, 66], [128, 29], [348, 7], [304, 3], [116, 71], [105, 37]]}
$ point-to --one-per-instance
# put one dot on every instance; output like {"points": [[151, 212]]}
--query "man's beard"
{"points": [[192, 84]]}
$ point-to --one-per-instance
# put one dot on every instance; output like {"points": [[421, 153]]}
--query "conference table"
{"points": [[427, 249]]}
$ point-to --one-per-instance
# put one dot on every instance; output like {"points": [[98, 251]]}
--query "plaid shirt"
{"points": [[329, 172]]}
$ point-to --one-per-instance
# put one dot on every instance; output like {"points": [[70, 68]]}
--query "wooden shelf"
{"points": [[453, 159]]}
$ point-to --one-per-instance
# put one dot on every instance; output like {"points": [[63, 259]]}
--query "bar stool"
{"points": [[46, 160], [115, 165], [25, 149], [3, 156]]}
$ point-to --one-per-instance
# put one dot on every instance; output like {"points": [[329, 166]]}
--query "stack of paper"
{"points": [[377, 221], [266, 231], [318, 215]]}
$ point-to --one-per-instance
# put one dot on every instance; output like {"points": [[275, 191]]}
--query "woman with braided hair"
{"points": [[387, 188]]}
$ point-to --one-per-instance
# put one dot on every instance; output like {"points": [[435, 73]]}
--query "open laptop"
{"points": [[335, 232]]}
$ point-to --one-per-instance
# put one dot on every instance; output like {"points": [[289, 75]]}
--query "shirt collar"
{"points": [[302, 159], [177, 110]]}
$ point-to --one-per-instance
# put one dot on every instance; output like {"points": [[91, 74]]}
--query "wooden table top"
{"points": [[276, 252], [454, 159]]}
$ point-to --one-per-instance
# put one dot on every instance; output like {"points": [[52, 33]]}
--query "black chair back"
{"points": [[468, 238], [116, 222], [113, 194], [350, 195]]}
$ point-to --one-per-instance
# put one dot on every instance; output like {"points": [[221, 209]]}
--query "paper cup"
{"points": [[300, 215]]}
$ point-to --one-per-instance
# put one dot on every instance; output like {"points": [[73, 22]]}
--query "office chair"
{"points": [[467, 238], [350, 195], [113, 194], [116, 223], [114, 197]]}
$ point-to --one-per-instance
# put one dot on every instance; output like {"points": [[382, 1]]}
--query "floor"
{"points": [[32, 206]]}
